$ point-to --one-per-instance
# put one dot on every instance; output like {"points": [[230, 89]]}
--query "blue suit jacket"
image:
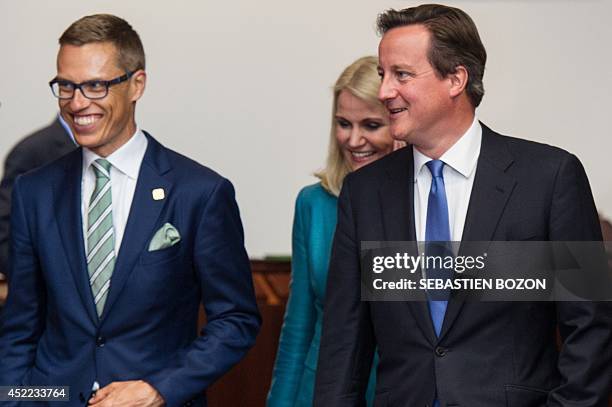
{"points": [[50, 333], [296, 361]]}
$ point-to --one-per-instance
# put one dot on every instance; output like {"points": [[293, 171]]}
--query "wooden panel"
{"points": [[247, 384]]}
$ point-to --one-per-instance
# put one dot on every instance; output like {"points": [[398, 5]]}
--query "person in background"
{"points": [[359, 136], [33, 151]]}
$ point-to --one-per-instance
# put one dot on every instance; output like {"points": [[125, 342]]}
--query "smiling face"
{"points": [[417, 99], [362, 130], [101, 125]]}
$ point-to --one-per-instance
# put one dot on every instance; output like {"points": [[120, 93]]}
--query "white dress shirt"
{"points": [[459, 170], [124, 172]]}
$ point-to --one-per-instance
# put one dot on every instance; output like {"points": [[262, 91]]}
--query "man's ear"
{"points": [[137, 84], [458, 80]]}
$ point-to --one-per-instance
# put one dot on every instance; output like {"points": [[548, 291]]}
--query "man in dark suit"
{"points": [[457, 180], [114, 246], [35, 150]]}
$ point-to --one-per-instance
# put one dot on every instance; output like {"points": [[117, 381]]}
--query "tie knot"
{"points": [[435, 167], [101, 168]]}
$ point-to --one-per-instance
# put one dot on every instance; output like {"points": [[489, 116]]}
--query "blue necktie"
{"points": [[437, 238]]}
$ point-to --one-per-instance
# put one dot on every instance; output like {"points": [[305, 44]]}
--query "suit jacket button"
{"points": [[440, 351], [100, 341]]}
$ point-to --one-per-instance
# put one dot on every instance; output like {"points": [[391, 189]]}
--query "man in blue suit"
{"points": [[115, 245]]}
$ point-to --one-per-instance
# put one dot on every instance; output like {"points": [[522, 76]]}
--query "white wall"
{"points": [[244, 86]]}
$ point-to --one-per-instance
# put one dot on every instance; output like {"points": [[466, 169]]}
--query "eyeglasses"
{"points": [[95, 89]]}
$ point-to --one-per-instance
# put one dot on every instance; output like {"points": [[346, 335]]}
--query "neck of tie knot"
{"points": [[101, 168], [435, 167]]}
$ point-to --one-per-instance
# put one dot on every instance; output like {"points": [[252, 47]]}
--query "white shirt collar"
{"points": [[462, 156], [123, 158]]}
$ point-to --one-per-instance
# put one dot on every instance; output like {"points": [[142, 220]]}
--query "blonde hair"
{"points": [[362, 80]]}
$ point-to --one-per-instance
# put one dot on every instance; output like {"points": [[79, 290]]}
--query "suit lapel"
{"points": [[397, 205], [67, 202], [397, 198], [490, 192], [142, 219]]}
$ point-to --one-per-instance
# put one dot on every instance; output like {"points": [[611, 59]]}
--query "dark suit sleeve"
{"points": [[23, 318], [233, 321], [17, 162], [347, 343], [585, 361]]}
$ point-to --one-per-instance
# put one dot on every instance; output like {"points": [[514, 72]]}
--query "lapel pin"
{"points": [[158, 194]]}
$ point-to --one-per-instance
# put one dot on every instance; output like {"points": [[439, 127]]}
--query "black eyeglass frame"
{"points": [[79, 86]]}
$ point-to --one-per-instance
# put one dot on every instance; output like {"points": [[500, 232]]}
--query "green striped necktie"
{"points": [[100, 236]]}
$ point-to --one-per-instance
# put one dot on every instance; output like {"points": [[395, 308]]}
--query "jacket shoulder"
{"points": [[525, 150], [314, 199], [193, 178], [314, 193], [178, 167], [371, 174], [187, 168]]}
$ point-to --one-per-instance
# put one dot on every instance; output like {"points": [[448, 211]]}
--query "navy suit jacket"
{"points": [[50, 333], [488, 354]]}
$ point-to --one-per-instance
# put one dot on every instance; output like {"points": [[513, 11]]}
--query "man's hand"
{"points": [[130, 393]]}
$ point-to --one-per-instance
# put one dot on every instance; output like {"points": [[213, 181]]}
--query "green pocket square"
{"points": [[165, 237]]}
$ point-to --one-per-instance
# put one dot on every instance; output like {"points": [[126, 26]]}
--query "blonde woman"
{"points": [[359, 136]]}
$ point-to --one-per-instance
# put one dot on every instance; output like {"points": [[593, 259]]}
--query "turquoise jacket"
{"points": [[296, 360]]}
